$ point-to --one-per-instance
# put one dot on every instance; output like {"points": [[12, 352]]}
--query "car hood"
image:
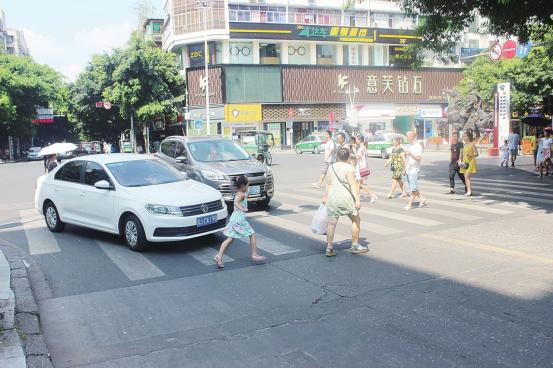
{"points": [[235, 167], [182, 193]]}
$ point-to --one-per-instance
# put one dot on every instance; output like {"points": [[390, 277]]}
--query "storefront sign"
{"points": [[243, 113], [196, 84], [281, 31], [431, 113], [399, 56], [471, 51], [504, 110], [306, 84]]}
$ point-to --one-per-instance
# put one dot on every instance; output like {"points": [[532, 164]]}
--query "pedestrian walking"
{"points": [[504, 151], [455, 155], [540, 158], [535, 143], [412, 170], [52, 162], [547, 141], [330, 149], [362, 170], [396, 162], [468, 166], [238, 226], [342, 199], [514, 146]]}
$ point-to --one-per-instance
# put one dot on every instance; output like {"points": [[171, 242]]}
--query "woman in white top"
{"points": [[362, 168]]}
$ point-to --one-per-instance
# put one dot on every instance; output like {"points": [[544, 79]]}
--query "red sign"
{"points": [[495, 52], [99, 104], [509, 49], [290, 112], [43, 121]]}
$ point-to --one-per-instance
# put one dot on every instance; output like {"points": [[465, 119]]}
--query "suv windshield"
{"points": [[138, 173], [219, 150]]}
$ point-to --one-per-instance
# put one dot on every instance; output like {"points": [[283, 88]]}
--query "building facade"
{"points": [[152, 29], [15, 42], [295, 66]]}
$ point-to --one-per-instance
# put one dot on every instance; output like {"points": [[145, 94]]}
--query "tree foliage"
{"points": [[24, 85], [140, 79], [443, 21], [531, 78]]}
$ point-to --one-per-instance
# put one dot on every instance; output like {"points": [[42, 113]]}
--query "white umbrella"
{"points": [[57, 148]]}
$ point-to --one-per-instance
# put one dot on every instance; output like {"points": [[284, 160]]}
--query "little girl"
{"points": [[238, 226], [504, 149]]}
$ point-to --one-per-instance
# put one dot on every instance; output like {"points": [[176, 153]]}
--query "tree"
{"points": [[24, 85], [443, 21], [140, 79]]}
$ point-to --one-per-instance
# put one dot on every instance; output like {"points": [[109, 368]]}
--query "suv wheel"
{"points": [[264, 204], [52, 218], [133, 233]]}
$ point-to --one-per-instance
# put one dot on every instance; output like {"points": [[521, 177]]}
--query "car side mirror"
{"points": [[103, 185], [182, 159]]}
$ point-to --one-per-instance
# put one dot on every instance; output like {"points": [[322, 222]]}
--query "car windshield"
{"points": [[219, 150], [139, 173]]}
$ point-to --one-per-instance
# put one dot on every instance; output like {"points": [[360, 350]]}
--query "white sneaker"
{"points": [[373, 200]]}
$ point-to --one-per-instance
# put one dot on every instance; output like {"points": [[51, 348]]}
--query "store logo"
{"points": [[205, 208], [343, 81], [304, 111], [236, 113]]}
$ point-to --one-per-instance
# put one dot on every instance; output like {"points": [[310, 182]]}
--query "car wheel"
{"points": [[133, 233], [52, 218], [384, 154], [298, 151], [264, 204], [269, 159], [316, 150]]}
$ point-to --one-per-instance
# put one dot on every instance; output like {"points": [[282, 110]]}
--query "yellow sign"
{"points": [[243, 113]]}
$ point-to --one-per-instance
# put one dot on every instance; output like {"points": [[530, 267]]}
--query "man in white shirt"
{"points": [[514, 146], [331, 149], [413, 155]]}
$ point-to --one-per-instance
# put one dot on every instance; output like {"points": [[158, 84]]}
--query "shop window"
{"points": [[298, 53], [269, 53], [352, 54], [326, 54], [241, 53], [196, 54]]}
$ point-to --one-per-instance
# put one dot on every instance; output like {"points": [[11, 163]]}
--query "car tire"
{"points": [[316, 150], [264, 204], [269, 159], [52, 218], [133, 233], [384, 154]]}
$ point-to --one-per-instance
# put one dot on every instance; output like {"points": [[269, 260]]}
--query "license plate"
{"points": [[255, 190], [207, 220]]}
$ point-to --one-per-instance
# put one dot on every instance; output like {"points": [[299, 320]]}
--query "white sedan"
{"points": [[138, 197]]}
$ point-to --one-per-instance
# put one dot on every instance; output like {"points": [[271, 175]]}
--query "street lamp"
{"points": [[205, 5]]}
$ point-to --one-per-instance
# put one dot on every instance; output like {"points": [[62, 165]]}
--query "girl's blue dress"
{"points": [[238, 226]]}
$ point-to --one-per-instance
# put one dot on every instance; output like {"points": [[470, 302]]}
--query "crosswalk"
{"points": [[283, 231]]}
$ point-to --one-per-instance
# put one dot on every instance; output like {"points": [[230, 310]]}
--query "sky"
{"points": [[66, 33]]}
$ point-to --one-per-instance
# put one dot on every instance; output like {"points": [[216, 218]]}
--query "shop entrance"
{"points": [[302, 130], [279, 133]]}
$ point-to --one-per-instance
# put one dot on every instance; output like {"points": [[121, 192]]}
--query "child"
{"points": [[504, 149], [539, 156], [238, 226]]}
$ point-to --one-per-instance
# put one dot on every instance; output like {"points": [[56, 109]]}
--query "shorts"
{"points": [[324, 170], [412, 181], [513, 152]]}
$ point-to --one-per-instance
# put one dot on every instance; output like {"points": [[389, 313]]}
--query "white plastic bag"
{"points": [[320, 221]]}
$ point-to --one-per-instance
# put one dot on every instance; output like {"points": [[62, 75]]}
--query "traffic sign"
{"points": [[509, 49], [495, 51], [523, 49], [198, 124], [107, 105]]}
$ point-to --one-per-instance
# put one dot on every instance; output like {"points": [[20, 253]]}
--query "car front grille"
{"points": [[197, 209], [188, 231]]}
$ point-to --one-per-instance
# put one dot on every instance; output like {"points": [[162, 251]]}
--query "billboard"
{"points": [[503, 110], [312, 32]]}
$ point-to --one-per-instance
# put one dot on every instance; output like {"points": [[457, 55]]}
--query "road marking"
{"points": [[455, 203], [509, 185], [273, 246], [205, 255], [482, 187], [517, 197], [507, 180], [133, 264], [40, 239], [490, 248], [400, 216], [365, 226]]}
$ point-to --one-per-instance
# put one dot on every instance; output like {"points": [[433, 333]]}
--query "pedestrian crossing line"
{"points": [[477, 187], [490, 248], [371, 227], [454, 203], [39, 238], [273, 247], [535, 184], [509, 185], [400, 216], [205, 255], [133, 264]]}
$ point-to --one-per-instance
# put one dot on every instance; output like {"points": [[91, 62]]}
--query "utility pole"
{"points": [[205, 5], [133, 139]]}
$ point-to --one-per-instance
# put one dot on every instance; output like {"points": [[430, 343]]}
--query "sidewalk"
{"points": [[21, 341]]}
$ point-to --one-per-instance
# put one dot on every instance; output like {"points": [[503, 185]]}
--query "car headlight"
{"points": [[155, 209], [213, 176]]}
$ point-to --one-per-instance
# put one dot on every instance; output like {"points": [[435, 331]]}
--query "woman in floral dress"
{"points": [[238, 226], [397, 164]]}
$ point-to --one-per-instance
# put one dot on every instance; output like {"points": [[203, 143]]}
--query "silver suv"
{"points": [[215, 161]]}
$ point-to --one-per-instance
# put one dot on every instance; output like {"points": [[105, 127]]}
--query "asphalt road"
{"points": [[464, 282]]}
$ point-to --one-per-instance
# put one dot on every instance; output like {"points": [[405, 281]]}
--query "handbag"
{"points": [[365, 172], [319, 224]]}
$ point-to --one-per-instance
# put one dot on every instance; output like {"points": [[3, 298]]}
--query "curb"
{"points": [[26, 317]]}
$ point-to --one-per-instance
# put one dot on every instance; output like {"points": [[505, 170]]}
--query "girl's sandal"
{"points": [[330, 252], [219, 261]]}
